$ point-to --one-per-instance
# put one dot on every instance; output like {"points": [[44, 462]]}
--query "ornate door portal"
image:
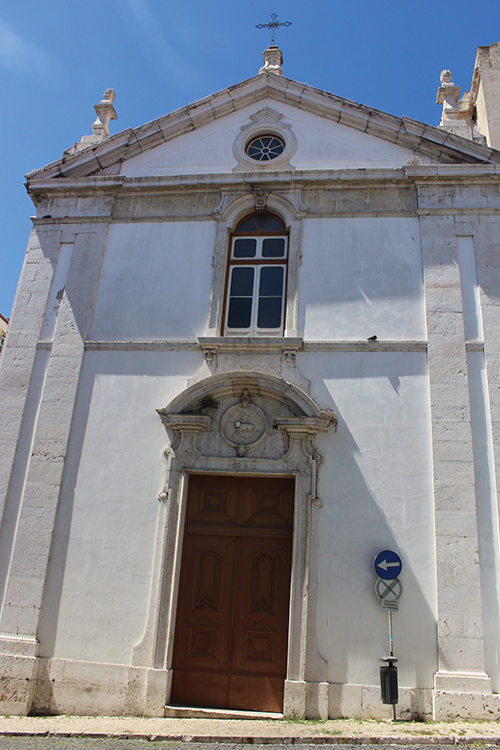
{"points": [[230, 648]]}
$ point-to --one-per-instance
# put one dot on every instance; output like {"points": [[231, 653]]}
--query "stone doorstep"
{"points": [[182, 712]]}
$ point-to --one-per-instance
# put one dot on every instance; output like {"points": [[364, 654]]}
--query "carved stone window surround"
{"points": [[270, 355], [260, 344], [257, 274], [286, 449], [286, 204], [266, 121]]}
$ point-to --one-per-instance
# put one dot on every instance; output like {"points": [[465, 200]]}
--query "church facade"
{"points": [[255, 343]]}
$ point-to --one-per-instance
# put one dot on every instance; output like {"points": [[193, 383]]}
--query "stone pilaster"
{"points": [[487, 245], [488, 271], [19, 357], [460, 620], [33, 538]]}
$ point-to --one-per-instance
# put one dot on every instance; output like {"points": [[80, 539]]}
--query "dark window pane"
{"points": [[240, 312], [271, 281], [274, 225], [265, 148], [276, 148], [242, 282], [248, 225], [263, 222], [260, 220], [273, 247], [269, 314], [244, 248]]}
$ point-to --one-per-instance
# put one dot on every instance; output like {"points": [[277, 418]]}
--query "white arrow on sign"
{"points": [[384, 565]]}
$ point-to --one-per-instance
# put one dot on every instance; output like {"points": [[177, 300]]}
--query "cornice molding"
{"points": [[444, 174], [215, 344]]}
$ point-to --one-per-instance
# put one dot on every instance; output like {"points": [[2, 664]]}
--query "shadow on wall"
{"points": [[375, 499], [354, 523]]}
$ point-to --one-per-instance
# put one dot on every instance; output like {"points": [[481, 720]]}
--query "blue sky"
{"points": [[58, 56]]}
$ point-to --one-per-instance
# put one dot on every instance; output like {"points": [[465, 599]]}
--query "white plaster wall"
{"points": [[361, 277], [102, 558], [376, 488], [321, 144], [155, 281]]}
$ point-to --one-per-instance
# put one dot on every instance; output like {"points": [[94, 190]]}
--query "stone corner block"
{"points": [[294, 703], [457, 705]]}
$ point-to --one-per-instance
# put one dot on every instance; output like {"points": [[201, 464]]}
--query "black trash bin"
{"points": [[389, 680]]}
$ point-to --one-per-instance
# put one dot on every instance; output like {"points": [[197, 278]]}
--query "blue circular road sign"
{"points": [[388, 565]]}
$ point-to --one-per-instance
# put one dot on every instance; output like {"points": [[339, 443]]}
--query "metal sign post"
{"points": [[388, 566]]}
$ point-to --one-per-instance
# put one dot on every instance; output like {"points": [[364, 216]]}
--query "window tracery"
{"points": [[265, 148]]}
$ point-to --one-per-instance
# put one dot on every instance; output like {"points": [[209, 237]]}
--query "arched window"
{"points": [[256, 277]]}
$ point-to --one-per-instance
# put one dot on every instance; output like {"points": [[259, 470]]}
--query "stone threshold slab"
{"points": [[186, 712]]}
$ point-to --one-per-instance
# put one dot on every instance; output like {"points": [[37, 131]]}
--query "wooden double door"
{"points": [[231, 638]]}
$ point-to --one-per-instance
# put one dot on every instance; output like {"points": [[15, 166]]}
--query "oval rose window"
{"points": [[265, 148]]}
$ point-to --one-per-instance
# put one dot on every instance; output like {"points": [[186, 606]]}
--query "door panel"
{"points": [[232, 620], [202, 640], [256, 693], [266, 505], [214, 503], [261, 609]]}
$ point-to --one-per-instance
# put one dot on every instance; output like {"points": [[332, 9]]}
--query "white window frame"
{"points": [[287, 205], [258, 262]]}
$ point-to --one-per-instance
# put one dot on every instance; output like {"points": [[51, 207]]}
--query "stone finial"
{"points": [[448, 95], [457, 116], [105, 112], [100, 128], [273, 60], [445, 77]]}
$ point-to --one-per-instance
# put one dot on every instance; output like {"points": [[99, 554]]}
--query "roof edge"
{"points": [[426, 139]]}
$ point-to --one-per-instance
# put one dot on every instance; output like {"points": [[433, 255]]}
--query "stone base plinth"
{"points": [[323, 700], [456, 705], [57, 686]]}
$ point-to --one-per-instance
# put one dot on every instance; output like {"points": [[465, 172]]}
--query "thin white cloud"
{"points": [[24, 58], [177, 66]]}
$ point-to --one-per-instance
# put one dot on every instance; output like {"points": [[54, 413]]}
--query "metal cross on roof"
{"points": [[273, 25]]}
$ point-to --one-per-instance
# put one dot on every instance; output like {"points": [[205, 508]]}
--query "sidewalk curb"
{"points": [[256, 740]]}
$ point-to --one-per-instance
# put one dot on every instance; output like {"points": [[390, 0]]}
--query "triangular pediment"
{"points": [[311, 142], [323, 131]]}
